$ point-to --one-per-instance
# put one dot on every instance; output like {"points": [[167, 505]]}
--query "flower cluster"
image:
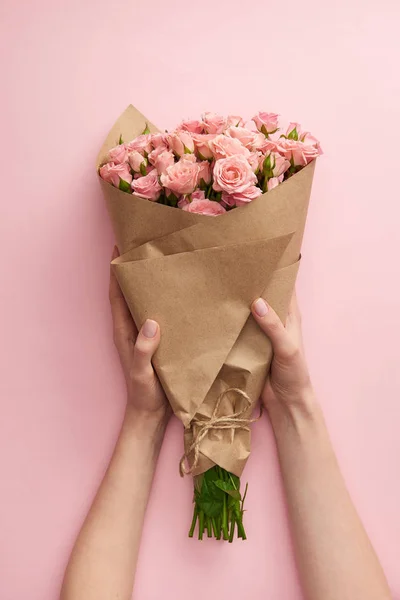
{"points": [[211, 165]]}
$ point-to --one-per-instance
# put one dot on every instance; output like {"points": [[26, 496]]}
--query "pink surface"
{"points": [[71, 68]]}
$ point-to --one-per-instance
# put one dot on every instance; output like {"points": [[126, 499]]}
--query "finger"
{"points": [[147, 343], [282, 343], [122, 319]]}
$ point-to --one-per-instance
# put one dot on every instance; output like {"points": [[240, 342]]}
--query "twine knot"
{"points": [[231, 422]]}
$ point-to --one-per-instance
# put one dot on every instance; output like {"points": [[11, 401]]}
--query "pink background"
{"points": [[71, 68]]}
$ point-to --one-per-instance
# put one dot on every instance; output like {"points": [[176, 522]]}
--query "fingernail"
{"points": [[260, 307], [149, 328]]}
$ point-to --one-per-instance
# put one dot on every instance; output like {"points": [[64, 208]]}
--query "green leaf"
{"points": [[143, 168], [120, 141], [186, 150], [172, 200], [203, 185], [124, 186], [228, 488], [146, 130]]}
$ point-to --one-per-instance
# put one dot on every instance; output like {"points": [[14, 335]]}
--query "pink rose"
{"points": [[204, 172], [241, 198], [181, 142], [298, 153], [141, 144], [189, 158], [163, 161], [113, 173], [181, 177], [202, 145], [274, 182], [197, 195], [136, 160], [152, 157], [233, 175], [234, 121], [310, 140], [275, 164], [205, 207], [223, 146], [255, 159], [247, 137], [148, 186], [118, 154], [214, 123], [159, 139], [194, 126], [266, 122], [293, 131], [259, 141]]}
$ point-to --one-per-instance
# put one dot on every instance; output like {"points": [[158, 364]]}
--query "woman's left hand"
{"points": [[145, 394]]}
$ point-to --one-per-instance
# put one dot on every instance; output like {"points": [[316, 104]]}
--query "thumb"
{"points": [[282, 344], [147, 342]]}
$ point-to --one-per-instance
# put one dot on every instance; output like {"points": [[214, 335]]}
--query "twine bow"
{"points": [[228, 422]]}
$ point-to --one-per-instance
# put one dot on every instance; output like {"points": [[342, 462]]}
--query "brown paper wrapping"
{"points": [[197, 276]]}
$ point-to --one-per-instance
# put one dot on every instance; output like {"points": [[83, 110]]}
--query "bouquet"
{"points": [[197, 275]]}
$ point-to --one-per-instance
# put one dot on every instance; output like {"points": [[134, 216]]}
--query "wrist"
{"points": [[296, 414], [149, 424]]}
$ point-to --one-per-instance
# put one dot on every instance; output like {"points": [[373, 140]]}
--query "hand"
{"points": [[288, 390], [145, 394]]}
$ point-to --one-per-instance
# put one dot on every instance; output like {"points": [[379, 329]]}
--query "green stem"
{"points": [[225, 521], [201, 525], [193, 525], [232, 531], [209, 529], [214, 527]]}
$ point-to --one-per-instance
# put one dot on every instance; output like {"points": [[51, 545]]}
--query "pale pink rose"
{"points": [[181, 142], [255, 158], [214, 123], [141, 144], [193, 125], [266, 122], [233, 175], [310, 140], [113, 173], [275, 164], [159, 139], [274, 182], [241, 198], [163, 161], [184, 200], [269, 145], [204, 172], [202, 144], [296, 152], [152, 157], [181, 178], [118, 154], [234, 121], [136, 160], [223, 146], [259, 141], [198, 195], [293, 131], [189, 157], [247, 137], [205, 207], [148, 186]]}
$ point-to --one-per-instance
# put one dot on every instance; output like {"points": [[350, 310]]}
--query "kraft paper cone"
{"points": [[197, 276]]}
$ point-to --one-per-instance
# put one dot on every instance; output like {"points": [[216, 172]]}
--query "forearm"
{"points": [[103, 561], [334, 555]]}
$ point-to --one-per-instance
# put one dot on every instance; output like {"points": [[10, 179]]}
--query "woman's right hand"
{"points": [[288, 391]]}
